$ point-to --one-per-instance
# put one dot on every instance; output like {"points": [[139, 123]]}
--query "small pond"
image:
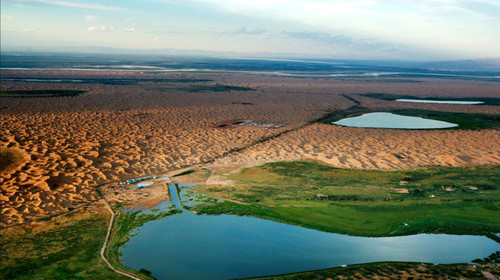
{"points": [[390, 120], [189, 246], [440, 101]]}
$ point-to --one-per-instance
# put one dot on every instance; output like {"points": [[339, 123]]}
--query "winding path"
{"points": [[108, 234]]}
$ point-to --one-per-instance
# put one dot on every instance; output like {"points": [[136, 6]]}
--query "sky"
{"points": [[339, 29]]}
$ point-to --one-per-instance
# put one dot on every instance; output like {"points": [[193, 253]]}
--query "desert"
{"points": [[139, 130]]}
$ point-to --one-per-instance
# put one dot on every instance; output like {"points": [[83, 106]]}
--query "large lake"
{"points": [[189, 246], [390, 120], [440, 101]]}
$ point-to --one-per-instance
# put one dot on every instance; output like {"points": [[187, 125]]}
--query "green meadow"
{"points": [[463, 200]]}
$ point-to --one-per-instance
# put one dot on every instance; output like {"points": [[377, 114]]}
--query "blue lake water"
{"points": [[390, 120], [189, 246], [440, 101]]}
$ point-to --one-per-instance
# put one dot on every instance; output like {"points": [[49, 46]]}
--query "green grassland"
{"points": [[196, 174], [68, 247], [386, 270], [464, 120], [64, 248], [365, 202], [187, 172], [40, 93]]}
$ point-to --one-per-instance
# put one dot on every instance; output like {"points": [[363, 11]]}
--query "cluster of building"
{"points": [[141, 182], [135, 180], [259, 124]]}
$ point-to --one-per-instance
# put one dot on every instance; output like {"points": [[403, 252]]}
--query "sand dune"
{"points": [[375, 148], [113, 132]]}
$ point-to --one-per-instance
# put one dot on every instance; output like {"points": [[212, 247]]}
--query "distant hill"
{"points": [[485, 64]]}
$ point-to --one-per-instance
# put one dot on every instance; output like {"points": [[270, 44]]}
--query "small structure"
{"points": [[135, 180], [145, 184], [401, 190], [320, 196], [263, 124]]}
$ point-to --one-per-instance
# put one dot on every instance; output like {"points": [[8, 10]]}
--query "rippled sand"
{"points": [[375, 148]]}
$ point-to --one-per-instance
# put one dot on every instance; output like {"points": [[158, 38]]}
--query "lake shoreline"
{"points": [[174, 225]]}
